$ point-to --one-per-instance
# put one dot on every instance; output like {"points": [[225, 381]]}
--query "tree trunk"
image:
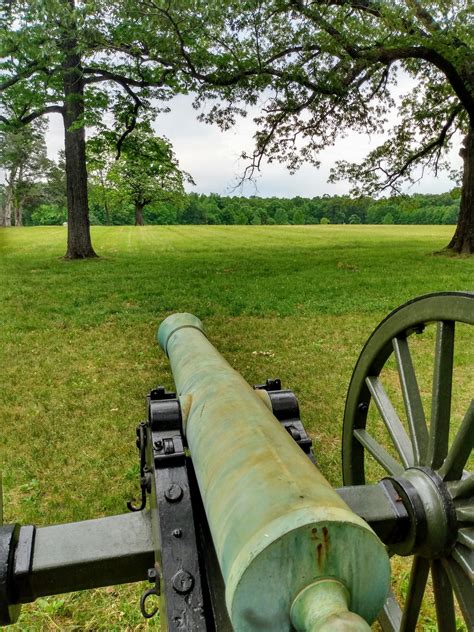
{"points": [[79, 245], [18, 213], [139, 214], [106, 203], [463, 239], [7, 210]]}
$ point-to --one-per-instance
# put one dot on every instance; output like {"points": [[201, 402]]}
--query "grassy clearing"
{"points": [[78, 353]]}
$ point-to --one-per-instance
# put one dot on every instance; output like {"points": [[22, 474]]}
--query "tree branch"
{"points": [[107, 75], [28, 118], [437, 142], [128, 129], [30, 69], [423, 15]]}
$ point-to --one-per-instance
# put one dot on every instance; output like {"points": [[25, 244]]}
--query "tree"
{"points": [[281, 216], [298, 216], [328, 65], [54, 187], [77, 59], [24, 160], [147, 171], [100, 159], [256, 220]]}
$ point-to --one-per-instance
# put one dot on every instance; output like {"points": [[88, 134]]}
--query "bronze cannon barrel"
{"points": [[291, 552]]}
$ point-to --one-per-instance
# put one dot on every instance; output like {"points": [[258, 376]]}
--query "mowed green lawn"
{"points": [[78, 351]]}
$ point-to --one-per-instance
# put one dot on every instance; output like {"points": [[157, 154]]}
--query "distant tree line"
{"points": [[46, 205], [146, 186]]}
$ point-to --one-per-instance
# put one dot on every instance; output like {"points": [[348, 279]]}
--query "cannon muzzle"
{"points": [[292, 553]]}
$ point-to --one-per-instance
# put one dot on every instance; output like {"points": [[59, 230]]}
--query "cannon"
{"points": [[237, 529]]}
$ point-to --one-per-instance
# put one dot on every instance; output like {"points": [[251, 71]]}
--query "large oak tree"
{"points": [[325, 66], [76, 59]]}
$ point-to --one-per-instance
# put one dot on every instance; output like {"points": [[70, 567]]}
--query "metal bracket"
{"points": [[177, 559], [271, 384], [286, 409], [165, 425]]}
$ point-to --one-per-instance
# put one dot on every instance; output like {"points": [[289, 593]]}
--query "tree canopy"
{"points": [[320, 67], [24, 161], [79, 60], [315, 68], [146, 172]]}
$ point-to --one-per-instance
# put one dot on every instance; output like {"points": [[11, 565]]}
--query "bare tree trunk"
{"points": [[8, 208], [79, 245], [8, 203], [463, 239], [106, 202], [18, 213], [139, 214], [18, 199]]}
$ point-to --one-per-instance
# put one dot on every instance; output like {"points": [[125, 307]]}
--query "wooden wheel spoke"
{"points": [[391, 420], [466, 537], [463, 589], [465, 558], [444, 601], [441, 397], [379, 453], [461, 449], [465, 512], [411, 397], [416, 590], [391, 615], [462, 488]]}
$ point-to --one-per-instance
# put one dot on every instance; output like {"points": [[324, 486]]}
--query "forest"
{"points": [[217, 209]]}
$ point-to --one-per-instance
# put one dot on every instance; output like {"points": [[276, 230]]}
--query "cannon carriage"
{"points": [[237, 529]]}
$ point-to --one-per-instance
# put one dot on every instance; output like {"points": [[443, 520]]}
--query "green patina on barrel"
{"points": [[277, 524]]}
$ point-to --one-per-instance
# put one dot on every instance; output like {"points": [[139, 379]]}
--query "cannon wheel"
{"points": [[432, 459]]}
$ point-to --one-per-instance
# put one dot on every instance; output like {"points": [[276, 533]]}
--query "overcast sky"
{"points": [[212, 157]]}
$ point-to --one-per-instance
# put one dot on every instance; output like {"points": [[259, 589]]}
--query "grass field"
{"points": [[78, 352]]}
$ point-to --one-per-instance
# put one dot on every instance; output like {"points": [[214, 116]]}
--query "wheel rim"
{"points": [[418, 456]]}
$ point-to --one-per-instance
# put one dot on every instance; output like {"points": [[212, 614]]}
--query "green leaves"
{"points": [[322, 67], [147, 170]]}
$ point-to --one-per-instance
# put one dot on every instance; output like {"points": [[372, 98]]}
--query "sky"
{"points": [[212, 157]]}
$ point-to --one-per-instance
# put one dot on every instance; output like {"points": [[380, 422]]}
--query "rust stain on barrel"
{"points": [[326, 537], [323, 546], [319, 550]]}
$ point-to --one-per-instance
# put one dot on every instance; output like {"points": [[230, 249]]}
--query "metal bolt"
{"points": [[182, 582], [151, 572], [363, 407], [177, 533], [158, 444], [174, 493]]}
